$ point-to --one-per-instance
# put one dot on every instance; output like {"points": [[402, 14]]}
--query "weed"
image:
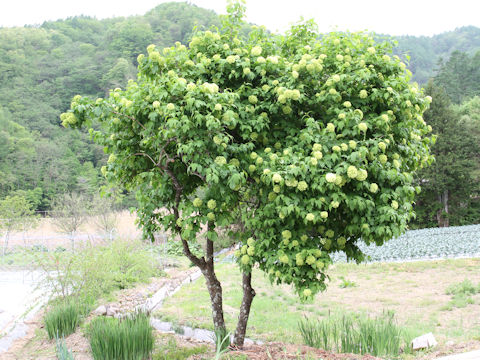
{"points": [[178, 329], [465, 287], [96, 271], [461, 294], [345, 283], [171, 351], [130, 338]]}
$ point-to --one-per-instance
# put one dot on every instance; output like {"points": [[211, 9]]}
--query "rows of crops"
{"points": [[434, 243]]}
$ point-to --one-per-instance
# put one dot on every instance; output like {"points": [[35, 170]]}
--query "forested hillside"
{"points": [[42, 68], [426, 52]]}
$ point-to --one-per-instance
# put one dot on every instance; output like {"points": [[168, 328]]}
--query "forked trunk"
{"points": [[205, 264], [215, 290], [248, 295]]}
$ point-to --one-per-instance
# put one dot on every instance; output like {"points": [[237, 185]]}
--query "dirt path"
{"points": [[19, 302]]}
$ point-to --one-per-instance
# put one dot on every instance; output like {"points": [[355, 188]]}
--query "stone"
{"points": [[101, 310], [424, 342], [111, 311], [248, 342]]}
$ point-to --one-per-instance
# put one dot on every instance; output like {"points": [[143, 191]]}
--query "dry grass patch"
{"points": [[415, 291]]}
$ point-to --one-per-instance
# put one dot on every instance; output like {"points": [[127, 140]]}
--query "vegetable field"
{"points": [[433, 243]]}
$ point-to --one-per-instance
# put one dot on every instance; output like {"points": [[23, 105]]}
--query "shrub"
{"points": [[127, 339], [350, 333], [175, 248], [311, 140], [94, 271], [63, 318]]}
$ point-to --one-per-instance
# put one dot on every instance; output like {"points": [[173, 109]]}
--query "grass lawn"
{"points": [[415, 291]]}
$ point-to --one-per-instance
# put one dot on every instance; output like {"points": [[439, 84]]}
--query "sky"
{"points": [[405, 17]]}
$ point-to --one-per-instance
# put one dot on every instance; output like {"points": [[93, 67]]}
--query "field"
{"points": [[415, 291], [433, 243], [433, 295]]}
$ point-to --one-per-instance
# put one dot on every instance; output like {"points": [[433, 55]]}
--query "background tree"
{"points": [[448, 185], [69, 213], [105, 213], [314, 142], [15, 211]]}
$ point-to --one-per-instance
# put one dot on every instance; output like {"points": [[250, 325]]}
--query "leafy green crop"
{"points": [[434, 243]]}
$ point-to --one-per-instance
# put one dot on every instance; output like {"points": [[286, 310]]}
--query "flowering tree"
{"points": [[313, 142]]}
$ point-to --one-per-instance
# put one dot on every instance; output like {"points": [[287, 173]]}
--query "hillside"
{"points": [[42, 68], [425, 52]]}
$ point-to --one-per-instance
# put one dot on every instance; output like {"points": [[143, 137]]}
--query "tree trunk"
{"points": [[442, 214], [5, 243], [215, 290], [248, 295], [206, 264]]}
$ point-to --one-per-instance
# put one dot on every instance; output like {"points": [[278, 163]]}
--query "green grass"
{"points": [[354, 333], [63, 318], [171, 351], [20, 258], [127, 339], [465, 287], [191, 305]]}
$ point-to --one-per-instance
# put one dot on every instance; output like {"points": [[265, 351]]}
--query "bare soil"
{"points": [[47, 234]]}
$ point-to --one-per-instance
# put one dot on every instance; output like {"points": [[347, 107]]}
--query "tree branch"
{"points": [[209, 250], [146, 155], [200, 262], [129, 117]]}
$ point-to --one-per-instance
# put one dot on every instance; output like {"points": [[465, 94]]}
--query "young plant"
{"points": [[345, 283], [62, 351], [130, 338], [69, 213], [309, 142], [349, 333], [63, 318]]}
